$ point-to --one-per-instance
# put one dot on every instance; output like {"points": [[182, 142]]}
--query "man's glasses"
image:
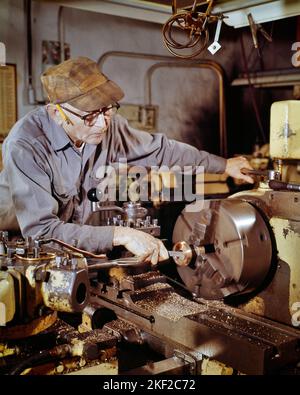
{"points": [[91, 118]]}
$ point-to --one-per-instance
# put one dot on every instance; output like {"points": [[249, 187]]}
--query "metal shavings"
{"points": [[153, 287], [168, 304], [255, 331], [146, 276], [120, 325]]}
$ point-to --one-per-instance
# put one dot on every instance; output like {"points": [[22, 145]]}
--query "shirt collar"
{"points": [[58, 137], [56, 133]]}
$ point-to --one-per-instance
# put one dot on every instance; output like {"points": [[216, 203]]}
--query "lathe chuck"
{"points": [[230, 248]]}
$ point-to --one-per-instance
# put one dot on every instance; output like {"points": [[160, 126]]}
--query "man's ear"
{"points": [[54, 113]]}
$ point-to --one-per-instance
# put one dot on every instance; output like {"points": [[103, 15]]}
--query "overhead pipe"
{"points": [[125, 54], [174, 62]]}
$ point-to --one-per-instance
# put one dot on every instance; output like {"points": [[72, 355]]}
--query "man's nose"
{"points": [[100, 121]]}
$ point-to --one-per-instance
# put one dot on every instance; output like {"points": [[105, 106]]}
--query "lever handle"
{"points": [[283, 186], [92, 195], [269, 174], [252, 172]]}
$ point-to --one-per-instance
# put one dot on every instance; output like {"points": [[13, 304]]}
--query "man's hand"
{"points": [[234, 166], [140, 244]]}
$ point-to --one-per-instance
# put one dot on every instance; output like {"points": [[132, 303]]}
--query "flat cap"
{"points": [[80, 83]]}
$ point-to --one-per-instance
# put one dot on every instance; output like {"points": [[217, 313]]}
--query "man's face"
{"points": [[79, 131]]}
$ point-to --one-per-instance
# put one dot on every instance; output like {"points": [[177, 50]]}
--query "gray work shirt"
{"points": [[45, 179]]}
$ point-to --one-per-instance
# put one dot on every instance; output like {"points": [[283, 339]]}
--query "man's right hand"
{"points": [[141, 244], [234, 166]]}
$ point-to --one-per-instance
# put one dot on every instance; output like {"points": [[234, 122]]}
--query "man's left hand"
{"points": [[234, 166]]}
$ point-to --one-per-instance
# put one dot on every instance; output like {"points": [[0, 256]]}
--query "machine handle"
{"points": [[252, 172], [283, 186], [92, 195], [269, 174]]}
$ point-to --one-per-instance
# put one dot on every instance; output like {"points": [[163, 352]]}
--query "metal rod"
{"points": [[72, 248], [150, 318], [134, 55]]}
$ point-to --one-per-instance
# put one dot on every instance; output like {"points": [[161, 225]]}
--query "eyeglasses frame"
{"points": [[84, 118]]}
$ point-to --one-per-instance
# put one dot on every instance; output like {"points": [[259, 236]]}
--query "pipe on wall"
{"points": [[170, 61], [30, 88], [30, 85], [220, 75], [61, 33], [124, 54]]}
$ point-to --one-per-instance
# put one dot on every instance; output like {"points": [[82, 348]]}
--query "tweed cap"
{"points": [[80, 83]]}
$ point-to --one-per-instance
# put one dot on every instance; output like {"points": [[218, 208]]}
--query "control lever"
{"points": [[269, 174], [122, 262], [95, 196], [283, 186], [128, 262]]}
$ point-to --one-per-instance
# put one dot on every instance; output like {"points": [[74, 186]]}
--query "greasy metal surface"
{"points": [[122, 329], [246, 343], [66, 290], [88, 340], [32, 328], [42, 279], [119, 326], [141, 280], [278, 301], [91, 349], [233, 234], [161, 299]]}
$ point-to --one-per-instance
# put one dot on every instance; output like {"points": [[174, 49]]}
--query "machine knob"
{"points": [[93, 195]]}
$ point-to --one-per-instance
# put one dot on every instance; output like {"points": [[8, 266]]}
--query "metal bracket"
{"points": [[255, 27], [191, 358], [215, 46]]}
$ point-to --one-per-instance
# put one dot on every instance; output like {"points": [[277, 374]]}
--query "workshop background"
{"points": [[187, 99], [227, 301]]}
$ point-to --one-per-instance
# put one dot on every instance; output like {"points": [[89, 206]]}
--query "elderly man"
{"points": [[51, 156]]}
